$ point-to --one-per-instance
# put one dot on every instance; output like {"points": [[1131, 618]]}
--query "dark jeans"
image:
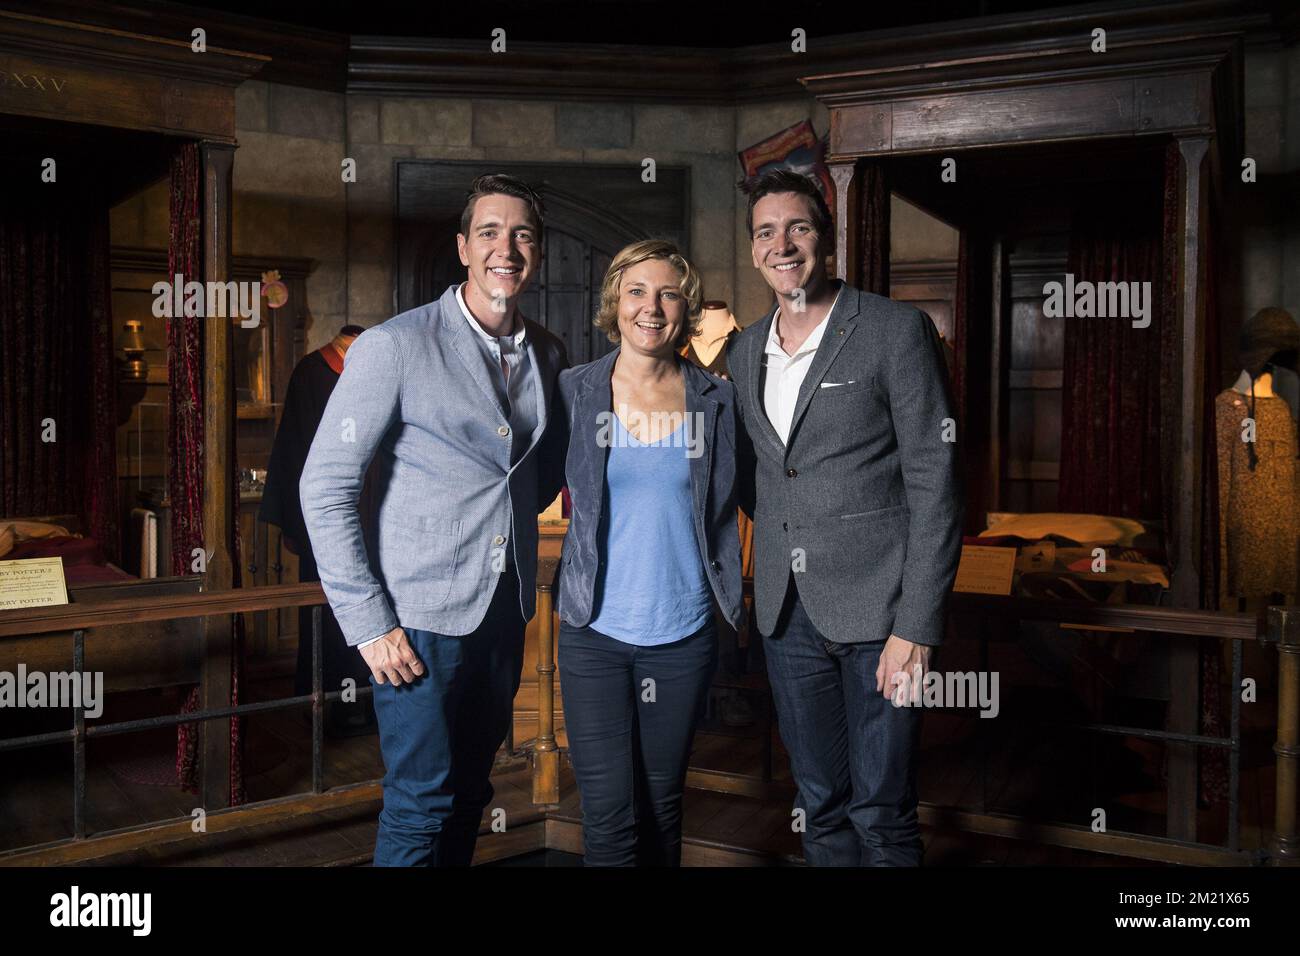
{"points": [[440, 735], [629, 754], [852, 752]]}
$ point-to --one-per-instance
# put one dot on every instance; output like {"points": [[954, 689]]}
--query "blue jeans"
{"points": [[629, 754], [440, 735], [852, 752]]}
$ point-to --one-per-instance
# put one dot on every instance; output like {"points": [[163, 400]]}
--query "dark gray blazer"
{"points": [[585, 393], [865, 504]]}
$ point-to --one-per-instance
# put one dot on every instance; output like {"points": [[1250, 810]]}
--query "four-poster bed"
{"points": [[84, 80], [1040, 91]]}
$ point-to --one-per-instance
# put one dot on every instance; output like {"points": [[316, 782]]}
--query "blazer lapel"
{"points": [[839, 326], [456, 323], [545, 381], [754, 388], [700, 407], [595, 396]]}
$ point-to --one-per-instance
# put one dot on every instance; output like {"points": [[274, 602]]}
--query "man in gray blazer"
{"points": [[449, 406], [849, 469]]}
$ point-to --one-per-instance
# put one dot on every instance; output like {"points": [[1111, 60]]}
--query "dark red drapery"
{"points": [[1112, 372], [185, 444], [873, 214], [185, 367], [58, 395]]}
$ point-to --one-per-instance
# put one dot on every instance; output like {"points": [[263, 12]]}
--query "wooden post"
{"points": [[218, 473], [847, 228], [1284, 630], [999, 358], [546, 754], [1185, 585]]}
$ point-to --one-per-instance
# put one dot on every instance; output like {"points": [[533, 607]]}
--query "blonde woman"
{"points": [[652, 543]]}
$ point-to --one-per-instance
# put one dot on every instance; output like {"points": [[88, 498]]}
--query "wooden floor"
{"points": [[1030, 770]]}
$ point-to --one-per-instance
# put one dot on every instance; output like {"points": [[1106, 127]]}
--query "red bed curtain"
{"points": [[1119, 442], [185, 366], [185, 444], [873, 213], [1114, 374], [58, 394]]}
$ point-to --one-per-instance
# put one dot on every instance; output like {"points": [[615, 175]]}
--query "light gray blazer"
{"points": [[415, 399], [864, 506]]}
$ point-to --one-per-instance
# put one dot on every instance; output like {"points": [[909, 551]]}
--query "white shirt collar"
{"points": [[809, 344], [484, 334]]}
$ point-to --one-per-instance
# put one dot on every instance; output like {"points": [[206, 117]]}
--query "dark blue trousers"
{"points": [[440, 735], [852, 752], [629, 741]]}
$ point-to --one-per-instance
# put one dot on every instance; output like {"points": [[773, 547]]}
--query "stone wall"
{"points": [[1271, 218], [290, 198], [382, 130]]}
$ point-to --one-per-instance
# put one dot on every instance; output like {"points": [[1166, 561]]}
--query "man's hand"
{"points": [[902, 669], [392, 659]]}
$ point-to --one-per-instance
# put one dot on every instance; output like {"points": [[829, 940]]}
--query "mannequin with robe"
{"points": [[1259, 477], [309, 389], [708, 350]]}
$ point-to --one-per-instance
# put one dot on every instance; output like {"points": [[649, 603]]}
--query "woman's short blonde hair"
{"points": [[691, 286]]}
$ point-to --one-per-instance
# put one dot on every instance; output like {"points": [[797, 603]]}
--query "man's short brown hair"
{"points": [[504, 185], [788, 181]]}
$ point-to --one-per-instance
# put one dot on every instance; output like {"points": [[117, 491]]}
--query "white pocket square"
{"points": [[836, 384]]}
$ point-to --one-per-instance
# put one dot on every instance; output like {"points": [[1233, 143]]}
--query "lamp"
{"points": [[133, 370]]}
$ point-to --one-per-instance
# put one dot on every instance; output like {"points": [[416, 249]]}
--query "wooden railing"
{"points": [[1278, 626]]}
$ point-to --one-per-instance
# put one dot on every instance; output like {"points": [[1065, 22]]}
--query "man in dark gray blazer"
{"points": [[452, 405], [849, 469]]}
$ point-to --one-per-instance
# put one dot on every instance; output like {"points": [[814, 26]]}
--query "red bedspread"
{"points": [[83, 558]]}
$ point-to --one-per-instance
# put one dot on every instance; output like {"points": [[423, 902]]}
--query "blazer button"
{"points": [[503, 430], [784, 526], [791, 473], [716, 565]]}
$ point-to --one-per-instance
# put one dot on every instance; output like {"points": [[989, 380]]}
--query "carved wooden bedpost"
{"points": [[848, 230], [219, 498]]}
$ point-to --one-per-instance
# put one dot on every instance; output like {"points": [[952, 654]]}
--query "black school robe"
{"points": [[310, 387]]}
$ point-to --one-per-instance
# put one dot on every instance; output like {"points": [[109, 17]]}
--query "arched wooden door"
{"points": [[591, 213], [578, 243]]}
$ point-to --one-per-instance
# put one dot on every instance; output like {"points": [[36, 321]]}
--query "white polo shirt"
{"points": [[783, 374]]}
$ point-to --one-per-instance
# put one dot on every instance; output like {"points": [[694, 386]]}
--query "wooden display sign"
{"points": [[985, 570], [34, 582]]}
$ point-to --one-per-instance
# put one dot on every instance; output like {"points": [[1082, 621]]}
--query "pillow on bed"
{"points": [[74, 551], [23, 530], [1083, 528]]}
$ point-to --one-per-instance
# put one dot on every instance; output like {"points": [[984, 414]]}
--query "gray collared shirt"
{"points": [[513, 376]]}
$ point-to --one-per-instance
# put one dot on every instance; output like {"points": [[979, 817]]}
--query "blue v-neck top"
{"points": [[650, 586]]}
